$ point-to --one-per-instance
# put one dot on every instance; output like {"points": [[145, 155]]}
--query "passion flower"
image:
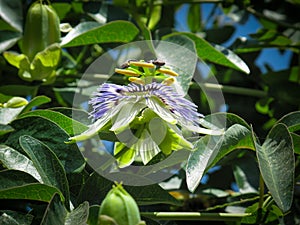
{"points": [[147, 117]]}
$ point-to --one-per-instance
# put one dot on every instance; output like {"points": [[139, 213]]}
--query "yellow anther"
{"points": [[168, 81], [142, 64], [127, 72], [167, 71], [136, 80]]}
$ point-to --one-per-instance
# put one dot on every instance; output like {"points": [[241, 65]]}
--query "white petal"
{"points": [[201, 130], [126, 115], [162, 112], [146, 147], [97, 126]]}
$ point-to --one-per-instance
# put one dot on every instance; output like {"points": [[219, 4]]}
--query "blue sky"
{"points": [[275, 59]]}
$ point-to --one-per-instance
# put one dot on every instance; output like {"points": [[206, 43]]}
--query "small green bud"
{"points": [[15, 102], [120, 206], [41, 29]]}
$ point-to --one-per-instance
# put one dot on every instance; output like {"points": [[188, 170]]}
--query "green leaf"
{"points": [[5, 129], [47, 164], [55, 212], [17, 60], [9, 217], [93, 214], [271, 37], [194, 18], [51, 135], [19, 90], [205, 150], [12, 12], [220, 34], [44, 62], [123, 154], [179, 54], [37, 192], [154, 16], [246, 174], [292, 121], [222, 120], [276, 162], [8, 39], [215, 54], [7, 115], [209, 150], [91, 33], [61, 9], [258, 215], [296, 142], [36, 101], [96, 188], [79, 216], [12, 159], [69, 125], [14, 178]]}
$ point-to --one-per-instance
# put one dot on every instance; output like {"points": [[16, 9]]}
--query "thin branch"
{"points": [[196, 216], [283, 24]]}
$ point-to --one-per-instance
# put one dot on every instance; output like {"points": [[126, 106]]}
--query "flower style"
{"points": [[146, 118]]}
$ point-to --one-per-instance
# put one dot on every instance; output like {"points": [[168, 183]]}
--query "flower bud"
{"points": [[15, 102], [120, 206], [41, 29]]}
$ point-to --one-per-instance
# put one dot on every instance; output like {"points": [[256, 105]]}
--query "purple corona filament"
{"points": [[110, 95]]}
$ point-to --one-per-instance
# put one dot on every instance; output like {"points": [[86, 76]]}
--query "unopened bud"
{"points": [[15, 102]]}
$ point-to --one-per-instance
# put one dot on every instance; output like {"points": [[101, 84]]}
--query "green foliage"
{"points": [[252, 167]]}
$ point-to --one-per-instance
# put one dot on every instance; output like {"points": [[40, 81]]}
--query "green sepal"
{"points": [[124, 155], [173, 141]]}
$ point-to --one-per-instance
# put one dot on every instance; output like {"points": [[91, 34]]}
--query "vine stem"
{"points": [[195, 216], [232, 90], [261, 191], [283, 24]]}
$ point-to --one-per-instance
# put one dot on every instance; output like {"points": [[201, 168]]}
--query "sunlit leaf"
{"points": [[9, 217], [55, 212], [69, 125], [205, 150], [215, 54], [36, 101], [51, 135], [12, 12], [8, 39], [79, 215], [38, 192], [12, 159], [291, 120], [181, 59], [276, 161], [92, 33], [209, 150], [16, 59], [47, 164], [7, 115]]}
